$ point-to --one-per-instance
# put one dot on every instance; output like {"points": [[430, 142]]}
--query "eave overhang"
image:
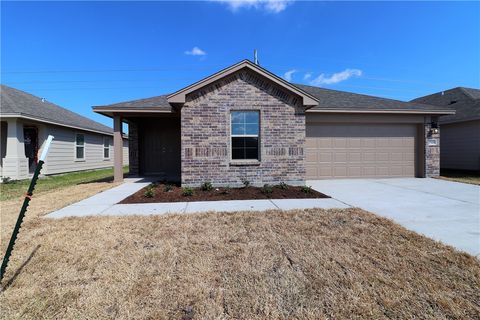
{"points": [[385, 111], [111, 111]]}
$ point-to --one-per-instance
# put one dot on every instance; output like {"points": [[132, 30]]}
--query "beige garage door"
{"points": [[360, 150]]}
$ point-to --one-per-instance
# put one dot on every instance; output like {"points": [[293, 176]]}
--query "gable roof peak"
{"points": [[179, 96]]}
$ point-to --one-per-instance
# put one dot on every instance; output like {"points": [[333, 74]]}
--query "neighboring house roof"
{"points": [[14, 102], [466, 102], [319, 99]]}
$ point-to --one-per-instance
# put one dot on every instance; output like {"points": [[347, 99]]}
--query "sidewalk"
{"points": [[105, 204]]}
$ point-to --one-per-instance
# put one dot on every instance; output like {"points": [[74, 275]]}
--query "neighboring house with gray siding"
{"points": [[460, 132], [244, 122], [26, 121]]}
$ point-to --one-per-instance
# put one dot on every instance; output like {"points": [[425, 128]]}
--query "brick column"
{"points": [[432, 148], [117, 149]]}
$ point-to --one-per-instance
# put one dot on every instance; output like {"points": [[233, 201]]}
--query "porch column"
{"points": [[15, 164], [117, 149]]}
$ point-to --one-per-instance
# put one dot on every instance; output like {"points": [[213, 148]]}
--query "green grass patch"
{"points": [[15, 189]]}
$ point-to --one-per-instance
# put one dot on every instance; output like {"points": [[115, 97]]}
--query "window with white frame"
{"points": [[245, 130], [79, 146], [106, 147]]}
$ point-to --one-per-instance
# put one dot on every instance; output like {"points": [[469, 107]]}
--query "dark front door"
{"points": [[30, 136], [159, 143]]}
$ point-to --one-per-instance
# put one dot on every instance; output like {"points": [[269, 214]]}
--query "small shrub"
{"points": [[267, 189], [207, 186], [245, 182], [187, 192], [150, 192], [283, 186], [168, 187], [307, 189]]}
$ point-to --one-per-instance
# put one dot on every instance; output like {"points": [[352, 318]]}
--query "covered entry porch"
{"points": [[155, 145], [20, 141], [154, 142]]}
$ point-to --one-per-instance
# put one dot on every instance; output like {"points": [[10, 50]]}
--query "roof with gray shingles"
{"points": [[17, 102], [153, 102], [329, 99], [466, 101], [342, 100]]}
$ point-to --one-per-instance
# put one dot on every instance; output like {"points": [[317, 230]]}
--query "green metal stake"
{"points": [[23, 210]]}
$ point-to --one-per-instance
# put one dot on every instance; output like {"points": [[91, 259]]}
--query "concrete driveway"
{"points": [[442, 210]]}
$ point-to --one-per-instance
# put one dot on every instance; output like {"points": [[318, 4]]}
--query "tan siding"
{"points": [[460, 146], [61, 156]]}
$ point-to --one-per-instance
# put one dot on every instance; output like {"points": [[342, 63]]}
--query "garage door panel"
{"points": [[340, 157], [340, 171], [355, 157], [368, 142], [360, 150], [339, 143], [325, 156], [355, 171], [311, 156], [355, 143]]}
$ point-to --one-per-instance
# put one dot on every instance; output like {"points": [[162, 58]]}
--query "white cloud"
{"points": [[272, 6], [307, 76], [336, 77], [196, 51], [288, 75]]}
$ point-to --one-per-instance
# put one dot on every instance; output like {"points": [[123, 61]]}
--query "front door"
{"points": [[30, 135], [159, 143]]}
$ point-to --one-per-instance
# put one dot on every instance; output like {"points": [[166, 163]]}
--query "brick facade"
{"points": [[432, 149], [206, 141]]}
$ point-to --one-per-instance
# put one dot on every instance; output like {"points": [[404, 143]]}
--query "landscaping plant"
{"points": [[267, 189], [187, 191], [150, 192], [307, 189], [167, 188], [207, 186], [283, 186], [245, 182]]}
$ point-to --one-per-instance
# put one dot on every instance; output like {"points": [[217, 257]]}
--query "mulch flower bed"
{"points": [[164, 192]]}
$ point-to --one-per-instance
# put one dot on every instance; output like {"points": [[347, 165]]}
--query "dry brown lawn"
{"points": [[43, 203], [463, 178], [310, 264]]}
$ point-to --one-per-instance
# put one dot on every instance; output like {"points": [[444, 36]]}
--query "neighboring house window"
{"points": [[106, 147], [245, 129], [79, 146]]}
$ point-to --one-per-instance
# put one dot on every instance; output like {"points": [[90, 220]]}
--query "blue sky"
{"points": [[79, 54]]}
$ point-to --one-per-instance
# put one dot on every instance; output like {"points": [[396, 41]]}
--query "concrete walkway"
{"points": [[443, 210], [105, 204]]}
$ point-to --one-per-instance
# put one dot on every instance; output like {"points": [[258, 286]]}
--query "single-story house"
{"points": [[26, 121], [461, 131], [244, 122]]}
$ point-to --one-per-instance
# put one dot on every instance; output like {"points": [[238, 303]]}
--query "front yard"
{"points": [[297, 264], [16, 189]]}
